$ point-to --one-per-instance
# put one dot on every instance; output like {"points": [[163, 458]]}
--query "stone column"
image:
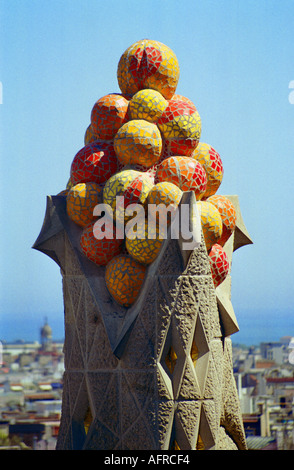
{"points": [[157, 375]]}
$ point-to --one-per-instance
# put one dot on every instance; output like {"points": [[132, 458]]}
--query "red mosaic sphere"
{"points": [[178, 97], [212, 164], [228, 215], [219, 264], [96, 163], [184, 172], [137, 191], [148, 64], [180, 125], [124, 277], [109, 113], [100, 251]]}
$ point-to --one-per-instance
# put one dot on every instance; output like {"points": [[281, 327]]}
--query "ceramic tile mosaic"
{"points": [[148, 64], [146, 248], [109, 113], [137, 190], [96, 163], [138, 142], [185, 172], [124, 277], [228, 215], [100, 251], [147, 104], [163, 194], [89, 136], [178, 97], [211, 223], [81, 200], [219, 264], [180, 125], [116, 186], [212, 163]]}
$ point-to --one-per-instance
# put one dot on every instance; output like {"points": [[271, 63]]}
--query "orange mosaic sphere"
{"points": [[124, 277], [219, 264], [100, 251], [211, 223], [228, 215], [109, 113], [180, 125], [148, 64], [184, 172], [89, 136], [212, 164], [138, 142], [81, 200]]}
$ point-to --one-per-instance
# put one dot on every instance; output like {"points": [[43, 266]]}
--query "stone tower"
{"points": [[157, 375]]}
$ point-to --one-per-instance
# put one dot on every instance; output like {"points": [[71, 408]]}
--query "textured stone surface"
{"points": [[120, 391]]}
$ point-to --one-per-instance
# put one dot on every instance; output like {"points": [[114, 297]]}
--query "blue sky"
{"points": [[236, 62]]}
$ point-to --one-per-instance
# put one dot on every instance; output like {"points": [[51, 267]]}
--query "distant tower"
{"points": [[46, 337]]}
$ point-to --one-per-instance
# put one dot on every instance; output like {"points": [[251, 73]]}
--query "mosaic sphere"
{"points": [[96, 162], [138, 142], [100, 251], [147, 104], [184, 172], [228, 215], [212, 163], [178, 97], [148, 64], [89, 135], [81, 200], [116, 186], [219, 264], [137, 190], [180, 125], [124, 277], [211, 223], [109, 113], [162, 195], [145, 247]]}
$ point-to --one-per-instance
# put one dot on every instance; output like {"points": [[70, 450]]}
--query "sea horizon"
{"points": [[253, 329]]}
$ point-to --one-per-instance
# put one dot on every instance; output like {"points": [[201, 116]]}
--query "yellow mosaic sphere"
{"points": [[144, 247], [162, 195], [212, 164], [148, 64], [116, 186], [81, 200], [147, 104], [211, 222], [138, 142], [124, 277]]}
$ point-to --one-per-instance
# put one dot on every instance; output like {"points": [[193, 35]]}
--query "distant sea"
{"points": [[254, 329]]}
